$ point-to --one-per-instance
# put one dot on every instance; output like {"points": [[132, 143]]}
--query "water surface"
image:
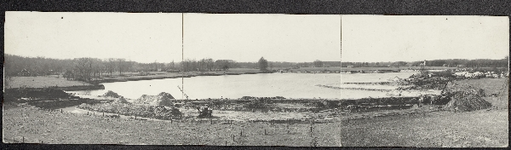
{"points": [[289, 85]]}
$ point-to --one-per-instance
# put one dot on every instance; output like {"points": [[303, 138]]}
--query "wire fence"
{"points": [[239, 137]]}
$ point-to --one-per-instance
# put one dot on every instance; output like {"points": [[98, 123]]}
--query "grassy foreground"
{"points": [[42, 126], [483, 128], [439, 129]]}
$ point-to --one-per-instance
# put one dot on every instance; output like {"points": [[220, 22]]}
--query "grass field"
{"points": [[483, 128], [54, 127], [440, 129], [496, 87], [42, 82]]}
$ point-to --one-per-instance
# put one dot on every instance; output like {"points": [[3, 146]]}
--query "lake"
{"points": [[289, 85]]}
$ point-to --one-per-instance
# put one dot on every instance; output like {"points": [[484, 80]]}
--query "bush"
{"points": [[467, 101]]}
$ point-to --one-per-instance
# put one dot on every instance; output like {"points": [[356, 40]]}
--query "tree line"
{"points": [[86, 69], [436, 63], [83, 69]]}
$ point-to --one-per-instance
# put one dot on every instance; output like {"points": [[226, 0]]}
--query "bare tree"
{"points": [[110, 66], [122, 65]]}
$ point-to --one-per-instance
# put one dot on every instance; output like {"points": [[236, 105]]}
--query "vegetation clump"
{"points": [[426, 80], [467, 101], [465, 97]]}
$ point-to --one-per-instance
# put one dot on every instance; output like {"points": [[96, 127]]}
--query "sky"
{"points": [[276, 37], [150, 37], [157, 37], [414, 38], [140, 37]]}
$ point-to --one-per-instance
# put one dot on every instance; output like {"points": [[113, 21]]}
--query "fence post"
{"points": [[311, 130], [287, 129], [233, 136], [265, 132], [23, 140]]}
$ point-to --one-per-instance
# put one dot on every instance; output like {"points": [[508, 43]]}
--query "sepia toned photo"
{"points": [[255, 79]]}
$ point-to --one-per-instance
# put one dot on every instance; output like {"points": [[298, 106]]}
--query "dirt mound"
{"points": [[162, 99], [467, 100], [111, 94], [48, 93], [120, 100], [457, 87]]}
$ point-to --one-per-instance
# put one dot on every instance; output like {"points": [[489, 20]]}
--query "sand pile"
{"points": [[467, 100], [162, 99]]}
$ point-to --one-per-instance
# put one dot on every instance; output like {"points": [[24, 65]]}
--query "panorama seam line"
{"points": [[340, 76]]}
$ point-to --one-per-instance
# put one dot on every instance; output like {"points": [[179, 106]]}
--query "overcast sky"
{"points": [[142, 37], [149, 37], [157, 36], [276, 37], [412, 38]]}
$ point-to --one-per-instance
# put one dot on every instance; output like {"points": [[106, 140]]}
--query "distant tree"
{"points": [[111, 66], [206, 64], [210, 64], [223, 64], [263, 64], [399, 64], [318, 63], [68, 75], [121, 65], [83, 69]]}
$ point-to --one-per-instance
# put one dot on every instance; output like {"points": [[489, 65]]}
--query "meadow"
{"points": [[482, 128], [32, 125], [42, 82]]}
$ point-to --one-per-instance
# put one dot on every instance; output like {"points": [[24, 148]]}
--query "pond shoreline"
{"points": [[170, 76]]}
